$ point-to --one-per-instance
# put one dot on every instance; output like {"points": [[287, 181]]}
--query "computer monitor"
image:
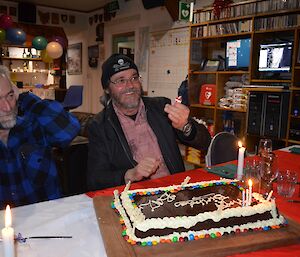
{"points": [[238, 54], [275, 57]]}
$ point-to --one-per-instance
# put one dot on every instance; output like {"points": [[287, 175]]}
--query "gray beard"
{"points": [[127, 106], [10, 123]]}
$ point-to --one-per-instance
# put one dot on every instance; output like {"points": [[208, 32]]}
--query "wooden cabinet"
{"points": [[26, 65], [261, 23]]}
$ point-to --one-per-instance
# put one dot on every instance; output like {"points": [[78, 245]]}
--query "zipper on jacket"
{"points": [[122, 143]]}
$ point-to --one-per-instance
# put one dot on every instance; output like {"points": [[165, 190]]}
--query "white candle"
{"points": [[250, 191], [243, 198], [8, 235], [269, 195], [247, 197], [240, 167]]}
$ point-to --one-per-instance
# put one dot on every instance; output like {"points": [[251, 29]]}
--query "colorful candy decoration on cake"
{"points": [[137, 210]]}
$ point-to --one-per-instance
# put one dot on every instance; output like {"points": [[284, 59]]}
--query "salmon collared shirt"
{"points": [[141, 139]]}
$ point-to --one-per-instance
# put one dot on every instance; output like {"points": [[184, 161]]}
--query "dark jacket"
{"points": [[109, 153]]}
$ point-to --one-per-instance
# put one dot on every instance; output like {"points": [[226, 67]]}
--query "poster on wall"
{"points": [[143, 48], [93, 55], [74, 59]]}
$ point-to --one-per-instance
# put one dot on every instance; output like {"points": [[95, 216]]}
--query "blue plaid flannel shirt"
{"points": [[27, 170]]}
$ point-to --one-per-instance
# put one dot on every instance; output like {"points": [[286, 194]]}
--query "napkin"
{"points": [[295, 150], [225, 171]]}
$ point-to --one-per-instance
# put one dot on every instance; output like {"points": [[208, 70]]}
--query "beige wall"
{"points": [[132, 17]]}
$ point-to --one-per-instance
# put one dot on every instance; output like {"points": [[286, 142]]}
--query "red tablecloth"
{"points": [[286, 160]]}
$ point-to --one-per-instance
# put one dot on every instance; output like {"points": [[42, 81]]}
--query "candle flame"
{"points": [[240, 144], [250, 183], [7, 217]]}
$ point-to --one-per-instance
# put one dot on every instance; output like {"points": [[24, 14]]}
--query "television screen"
{"points": [[238, 53], [275, 57]]}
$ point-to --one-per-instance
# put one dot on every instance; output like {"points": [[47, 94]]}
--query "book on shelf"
{"points": [[277, 22], [264, 86], [223, 28], [245, 8]]}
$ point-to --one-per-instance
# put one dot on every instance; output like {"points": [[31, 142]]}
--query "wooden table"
{"points": [[278, 248]]}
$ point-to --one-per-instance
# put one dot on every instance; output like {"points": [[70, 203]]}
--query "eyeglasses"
{"points": [[123, 82]]}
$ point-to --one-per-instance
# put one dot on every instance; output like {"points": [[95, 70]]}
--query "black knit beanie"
{"points": [[114, 64]]}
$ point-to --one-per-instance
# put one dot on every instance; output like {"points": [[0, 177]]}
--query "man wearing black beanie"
{"points": [[135, 137]]}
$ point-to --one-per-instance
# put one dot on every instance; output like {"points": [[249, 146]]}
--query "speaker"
{"points": [[27, 12], [255, 113], [148, 4], [276, 114], [268, 114], [296, 104]]}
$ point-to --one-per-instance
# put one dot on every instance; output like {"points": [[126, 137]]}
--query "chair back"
{"points": [[73, 97], [223, 148]]}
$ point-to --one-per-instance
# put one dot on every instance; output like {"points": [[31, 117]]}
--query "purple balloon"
{"points": [[60, 40], [5, 21]]}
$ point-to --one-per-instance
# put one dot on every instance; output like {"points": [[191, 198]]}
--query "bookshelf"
{"points": [[261, 22]]}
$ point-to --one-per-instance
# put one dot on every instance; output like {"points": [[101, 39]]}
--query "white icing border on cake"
{"points": [[141, 223]]}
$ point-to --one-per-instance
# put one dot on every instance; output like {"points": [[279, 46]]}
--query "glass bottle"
{"points": [[24, 53], [29, 55], [25, 66], [10, 65]]}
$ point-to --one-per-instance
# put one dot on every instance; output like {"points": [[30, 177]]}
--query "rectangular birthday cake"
{"points": [[190, 211]]}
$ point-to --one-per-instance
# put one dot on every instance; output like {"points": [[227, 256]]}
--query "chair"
{"points": [[73, 98], [223, 148], [71, 162]]}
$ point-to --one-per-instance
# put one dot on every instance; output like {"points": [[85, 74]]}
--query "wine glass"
{"points": [[286, 183], [264, 147], [269, 171], [253, 171]]}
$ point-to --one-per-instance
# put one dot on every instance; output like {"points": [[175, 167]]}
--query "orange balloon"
{"points": [[45, 57], [54, 50]]}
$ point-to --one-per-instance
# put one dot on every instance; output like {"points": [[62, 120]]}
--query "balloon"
{"points": [[2, 35], [16, 36], [60, 40], [5, 21], [54, 50], [39, 43], [45, 57]]}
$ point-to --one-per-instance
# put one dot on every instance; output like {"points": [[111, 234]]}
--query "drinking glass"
{"points": [[269, 172], [253, 171], [264, 147], [286, 183]]}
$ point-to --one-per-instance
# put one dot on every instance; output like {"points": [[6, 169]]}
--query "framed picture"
{"points": [[93, 54], [74, 59]]}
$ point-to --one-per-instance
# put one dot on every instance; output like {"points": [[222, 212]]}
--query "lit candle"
{"points": [[250, 191], [247, 197], [8, 235], [243, 198], [240, 161], [269, 195]]}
